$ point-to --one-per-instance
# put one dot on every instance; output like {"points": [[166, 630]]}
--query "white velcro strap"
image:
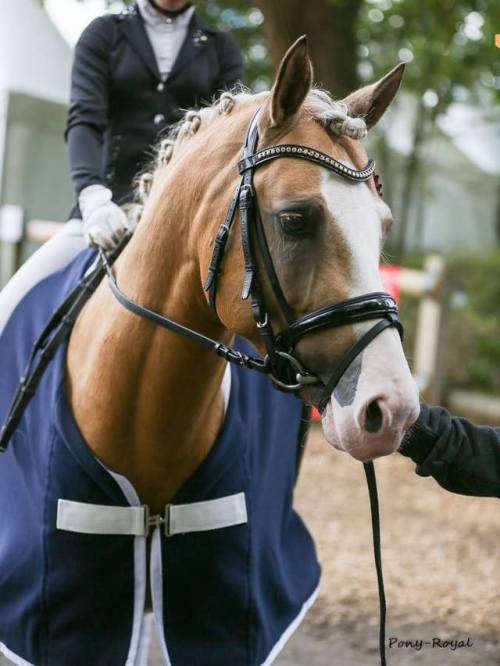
{"points": [[99, 519], [209, 515], [135, 520]]}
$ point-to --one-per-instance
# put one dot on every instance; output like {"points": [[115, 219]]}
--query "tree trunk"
{"points": [[330, 26]]}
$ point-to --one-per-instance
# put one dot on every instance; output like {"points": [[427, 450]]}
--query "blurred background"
{"points": [[438, 153]]}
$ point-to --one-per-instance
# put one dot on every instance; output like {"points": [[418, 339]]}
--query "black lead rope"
{"points": [[375, 515]]}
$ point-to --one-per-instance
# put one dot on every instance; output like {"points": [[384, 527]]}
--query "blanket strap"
{"points": [[53, 335], [136, 520]]}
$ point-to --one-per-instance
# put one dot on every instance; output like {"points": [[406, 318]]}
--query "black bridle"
{"points": [[286, 371]]}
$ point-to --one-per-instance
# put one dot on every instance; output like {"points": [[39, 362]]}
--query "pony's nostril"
{"points": [[373, 417]]}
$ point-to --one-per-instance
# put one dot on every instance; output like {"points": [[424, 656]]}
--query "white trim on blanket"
{"points": [[290, 630], [18, 661], [140, 574], [226, 386], [148, 621], [156, 578]]}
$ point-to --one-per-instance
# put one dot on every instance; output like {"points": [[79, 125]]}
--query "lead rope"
{"points": [[374, 506]]}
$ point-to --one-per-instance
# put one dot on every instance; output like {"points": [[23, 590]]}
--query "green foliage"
{"points": [[474, 357], [245, 24], [450, 44]]}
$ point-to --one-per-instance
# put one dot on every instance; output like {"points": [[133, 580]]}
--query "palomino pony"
{"points": [[145, 456]]}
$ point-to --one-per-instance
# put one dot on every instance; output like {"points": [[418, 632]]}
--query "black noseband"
{"points": [[362, 308]]}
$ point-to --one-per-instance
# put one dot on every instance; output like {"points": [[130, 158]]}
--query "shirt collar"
{"points": [[156, 20]]}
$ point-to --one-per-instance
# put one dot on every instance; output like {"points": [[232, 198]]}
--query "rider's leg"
{"points": [[54, 255]]}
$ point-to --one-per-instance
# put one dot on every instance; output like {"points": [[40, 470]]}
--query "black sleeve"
{"points": [[230, 61], [462, 457], [88, 112]]}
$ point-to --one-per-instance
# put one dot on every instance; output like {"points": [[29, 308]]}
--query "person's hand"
{"points": [[104, 223]]}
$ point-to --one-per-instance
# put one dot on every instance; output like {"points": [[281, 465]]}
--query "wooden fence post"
{"points": [[431, 330]]}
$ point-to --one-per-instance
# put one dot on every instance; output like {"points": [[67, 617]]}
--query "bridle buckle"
{"points": [[264, 323]]}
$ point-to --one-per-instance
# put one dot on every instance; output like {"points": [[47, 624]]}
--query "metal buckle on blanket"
{"points": [[166, 520], [152, 521]]}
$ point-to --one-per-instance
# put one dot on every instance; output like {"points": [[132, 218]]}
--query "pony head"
{"points": [[325, 235]]}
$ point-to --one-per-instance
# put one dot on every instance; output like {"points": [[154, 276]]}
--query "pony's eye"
{"points": [[294, 224]]}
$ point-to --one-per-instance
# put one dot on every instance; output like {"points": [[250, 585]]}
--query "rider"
{"points": [[132, 75], [462, 457]]}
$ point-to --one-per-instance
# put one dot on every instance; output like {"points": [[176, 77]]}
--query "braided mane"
{"points": [[331, 114]]}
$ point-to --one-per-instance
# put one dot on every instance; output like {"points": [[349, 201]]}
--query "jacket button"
{"points": [[160, 87], [158, 119]]}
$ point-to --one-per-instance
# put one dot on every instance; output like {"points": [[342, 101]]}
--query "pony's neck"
{"points": [[147, 400]]}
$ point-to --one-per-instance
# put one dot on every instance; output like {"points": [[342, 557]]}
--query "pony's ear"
{"points": [[293, 82], [371, 101]]}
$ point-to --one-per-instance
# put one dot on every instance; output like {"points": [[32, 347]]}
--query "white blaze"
{"points": [[385, 376], [359, 217]]}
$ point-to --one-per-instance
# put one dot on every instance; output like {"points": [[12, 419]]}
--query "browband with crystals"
{"points": [[311, 155]]}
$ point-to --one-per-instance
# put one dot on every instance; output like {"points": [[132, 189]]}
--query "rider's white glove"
{"points": [[104, 223]]}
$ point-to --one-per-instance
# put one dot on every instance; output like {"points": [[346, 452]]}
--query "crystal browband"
{"points": [[311, 155]]}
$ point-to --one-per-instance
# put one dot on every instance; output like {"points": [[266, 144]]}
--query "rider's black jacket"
{"points": [[119, 105], [462, 457]]}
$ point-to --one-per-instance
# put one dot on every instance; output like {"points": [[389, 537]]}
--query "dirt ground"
{"points": [[441, 556]]}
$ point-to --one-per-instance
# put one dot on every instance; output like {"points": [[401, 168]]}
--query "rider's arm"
{"points": [[103, 221], [88, 113], [462, 457]]}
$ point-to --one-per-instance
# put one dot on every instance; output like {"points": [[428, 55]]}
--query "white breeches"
{"points": [[54, 255]]}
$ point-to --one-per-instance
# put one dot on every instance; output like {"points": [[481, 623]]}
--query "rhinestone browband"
{"points": [[311, 155]]}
